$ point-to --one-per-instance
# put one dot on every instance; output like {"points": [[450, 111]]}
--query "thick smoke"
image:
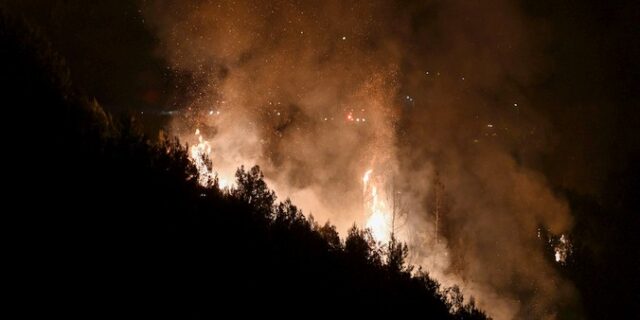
{"points": [[318, 93]]}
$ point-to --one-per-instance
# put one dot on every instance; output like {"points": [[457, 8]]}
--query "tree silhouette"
{"points": [[361, 246], [397, 254], [329, 233], [253, 190]]}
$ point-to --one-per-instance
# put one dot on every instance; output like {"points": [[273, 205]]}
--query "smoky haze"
{"points": [[319, 93]]}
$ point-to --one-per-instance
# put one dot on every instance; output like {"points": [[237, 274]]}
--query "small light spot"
{"points": [[490, 125], [344, 38]]}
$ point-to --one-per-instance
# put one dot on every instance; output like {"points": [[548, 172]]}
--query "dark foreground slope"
{"points": [[108, 224]]}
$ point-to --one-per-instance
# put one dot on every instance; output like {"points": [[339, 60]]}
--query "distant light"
{"points": [[344, 38], [278, 113], [490, 125], [363, 119], [515, 104], [211, 112]]}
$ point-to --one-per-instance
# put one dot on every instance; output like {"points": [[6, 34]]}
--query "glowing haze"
{"points": [[351, 108]]}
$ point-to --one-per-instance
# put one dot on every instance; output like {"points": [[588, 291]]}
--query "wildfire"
{"points": [[379, 219], [562, 249], [200, 152], [200, 155]]}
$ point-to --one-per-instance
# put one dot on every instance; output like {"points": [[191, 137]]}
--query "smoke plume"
{"points": [[432, 96]]}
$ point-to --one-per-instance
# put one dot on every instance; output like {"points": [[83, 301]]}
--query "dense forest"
{"points": [[111, 223]]}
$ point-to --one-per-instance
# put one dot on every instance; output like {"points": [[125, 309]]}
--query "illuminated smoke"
{"points": [[319, 93]]}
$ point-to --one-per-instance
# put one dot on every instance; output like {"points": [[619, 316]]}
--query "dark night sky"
{"points": [[107, 47]]}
